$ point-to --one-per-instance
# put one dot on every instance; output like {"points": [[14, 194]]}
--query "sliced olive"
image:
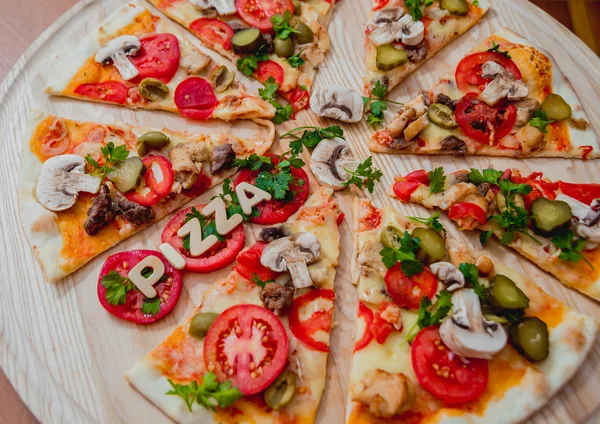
{"points": [[201, 323], [389, 57], [501, 201], [390, 237], [153, 89], [456, 7], [442, 116], [223, 78], [297, 7], [283, 48], [247, 41], [550, 217], [282, 391], [432, 247], [530, 338], [128, 174], [155, 139], [556, 108], [504, 294], [304, 34]]}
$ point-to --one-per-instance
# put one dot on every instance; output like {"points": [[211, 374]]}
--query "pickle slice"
{"points": [[389, 57], [555, 108], [127, 175], [550, 217], [530, 338], [504, 294], [456, 7], [247, 41], [432, 247], [442, 116]]}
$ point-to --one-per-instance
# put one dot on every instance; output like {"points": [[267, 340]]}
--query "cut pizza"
{"points": [[256, 348], [402, 34], [141, 61], [505, 98], [84, 186], [280, 39], [444, 334], [554, 224]]}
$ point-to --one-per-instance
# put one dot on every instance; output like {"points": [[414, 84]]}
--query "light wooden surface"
{"points": [[66, 356]]}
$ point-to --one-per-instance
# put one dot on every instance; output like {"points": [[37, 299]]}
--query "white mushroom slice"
{"points": [[502, 86], [223, 7], [449, 275], [117, 50], [243, 189], [61, 179], [146, 284], [386, 16], [224, 225], [467, 333], [436, 13], [416, 127], [384, 27], [413, 32], [586, 219], [293, 254], [493, 69], [337, 102], [329, 162]]}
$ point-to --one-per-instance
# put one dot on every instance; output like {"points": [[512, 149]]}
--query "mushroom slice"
{"points": [[467, 333], [61, 179], [117, 50], [386, 16], [585, 222], [293, 254], [329, 162], [223, 7], [449, 275], [337, 102], [502, 86], [413, 32]]}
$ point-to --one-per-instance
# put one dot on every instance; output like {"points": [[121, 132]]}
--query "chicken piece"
{"points": [[194, 62], [399, 123], [457, 193], [416, 127], [393, 315], [385, 394], [186, 172], [530, 138]]}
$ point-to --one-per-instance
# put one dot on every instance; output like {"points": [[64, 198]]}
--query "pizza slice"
{"points": [[401, 35], [255, 349], [554, 224], [505, 98], [141, 61], [445, 334], [281, 39], [85, 186]]}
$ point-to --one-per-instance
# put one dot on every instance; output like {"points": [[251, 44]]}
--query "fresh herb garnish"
{"points": [[496, 48], [116, 288], [415, 8], [471, 274], [431, 222], [281, 25], [208, 226], [377, 104], [209, 394], [113, 155], [311, 137], [248, 65], [476, 3], [365, 175], [540, 121], [484, 236], [282, 113], [259, 282], [490, 176], [232, 202], [431, 315], [295, 61], [405, 254], [151, 306], [571, 248], [437, 179]]}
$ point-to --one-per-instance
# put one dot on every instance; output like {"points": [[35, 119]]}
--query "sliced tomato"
{"points": [[107, 91], [540, 187], [317, 301], [158, 181], [202, 184], [167, 289], [483, 123], [158, 57], [467, 215], [221, 255], [298, 98], [195, 98], [365, 314], [468, 70], [249, 265], [380, 328], [243, 340], [278, 211], [213, 32], [421, 176], [464, 382], [583, 192], [340, 218], [258, 12], [380, 4], [404, 189], [269, 68], [408, 291]]}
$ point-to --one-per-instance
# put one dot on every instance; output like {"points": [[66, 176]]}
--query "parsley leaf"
{"points": [[485, 236], [311, 137], [209, 227], [437, 179], [365, 175], [113, 155], [231, 200], [248, 65], [151, 306], [260, 283], [253, 162], [415, 8], [496, 48], [209, 394], [476, 3], [116, 288], [282, 113], [571, 248], [377, 105], [540, 121], [405, 253], [281, 25], [268, 93], [471, 274], [431, 315], [431, 222], [295, 61], [488, 176]]}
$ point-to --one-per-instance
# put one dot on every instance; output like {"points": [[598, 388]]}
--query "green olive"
{"points": [[504, 294], [297, 7], [201, 323], [283, 48], [390, 237], [304, 35], [530, 338], [556, 108], [153, 89], [442, 116], [282, 391], [222, 78], [152, 140], [432, 247]]}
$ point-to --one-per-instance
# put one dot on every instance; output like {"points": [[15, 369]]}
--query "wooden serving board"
{"points": [[66, 356]]}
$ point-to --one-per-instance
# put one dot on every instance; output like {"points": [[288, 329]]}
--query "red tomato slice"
{"points": [[465, 382], [467, 215], [247, 345], [221, 255], [379, 4], [421, 176], [298, 98], [158, 58], [258, 12], [107, 91], [269, 68], [249, 264], [158, 181], [213, 32], [195, 98], [366, 314], [403, 189], [583, 192], [540, 187], [483, 123], [340, 218], [408, 291], [380, 328], [468, 70], [320, 320], [277, 211], [168, 290]]}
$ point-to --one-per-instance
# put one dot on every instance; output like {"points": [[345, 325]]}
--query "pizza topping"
{"points": [[337, 102], [414, 128], [201, 323], [503, 85], [153, 89], [127, 175], [384, 393], [483, 123], [525, 111], [152, 140], [222, 77], [503, 294], [456, 7], [585, 218], [158, 182], [101, 213], [555, 108], [390, 57], [432, 247], [449, 275], [222, 158], [310, 318], [134, 212], [258, 13], [293, 254], [117, 51], [391, 25], [195, 98], [550, 217], [223, 7], [247, 41], [282, 391], [330, 161], [193, 61], [187, 160], [454, 145], [61, 180], [442, 116], [467, 333], [530, 338], [276, 297]]}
